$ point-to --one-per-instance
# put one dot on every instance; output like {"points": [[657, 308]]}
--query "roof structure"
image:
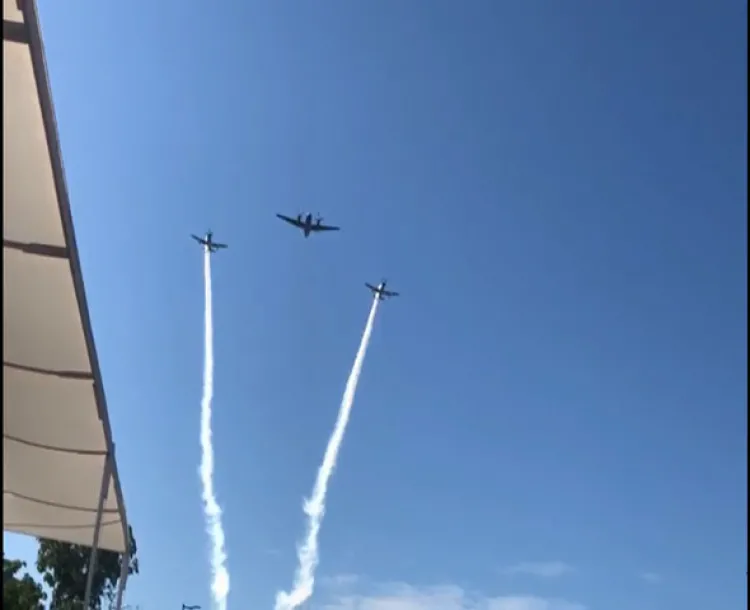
{"points": [[58, 454]]}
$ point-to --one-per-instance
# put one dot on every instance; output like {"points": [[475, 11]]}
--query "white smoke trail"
{"points": [[315, 505], [212, 510]]}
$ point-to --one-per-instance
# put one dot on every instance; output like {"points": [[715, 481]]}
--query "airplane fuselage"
{"points": [[307, 224], [208, 242]]}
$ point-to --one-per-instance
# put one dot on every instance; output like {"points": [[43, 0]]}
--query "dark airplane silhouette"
{"points": [[306, 224], [380, 290], [208, 242]]}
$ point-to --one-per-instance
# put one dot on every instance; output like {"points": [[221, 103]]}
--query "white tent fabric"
{"points": [[56, 433]]}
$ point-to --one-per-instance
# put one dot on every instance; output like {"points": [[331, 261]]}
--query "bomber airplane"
{"points": [[307, 224], [208, 242], [380, 291]]}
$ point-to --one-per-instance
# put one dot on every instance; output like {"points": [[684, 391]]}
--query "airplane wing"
{"points": [[291, 221], [200, 240], [215, 245], [371, 287], [390, 293], [324, 228]]}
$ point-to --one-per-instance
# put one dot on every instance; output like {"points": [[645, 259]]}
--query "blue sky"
{"points": [[552, 417]]}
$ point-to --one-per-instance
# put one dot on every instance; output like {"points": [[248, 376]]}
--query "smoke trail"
{"points": [[212, 510], [315, 506]]}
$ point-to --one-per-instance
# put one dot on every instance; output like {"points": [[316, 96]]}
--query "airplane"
{"points": [[208, 242], [306, 224], [186, 607], [380, 291]]}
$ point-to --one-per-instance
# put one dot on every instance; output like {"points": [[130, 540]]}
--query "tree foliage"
{"points": [[22, 593], [64, 568]]}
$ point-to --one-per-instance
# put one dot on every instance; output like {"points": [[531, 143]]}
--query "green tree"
{"points": [[64, 568], [20, 593]]}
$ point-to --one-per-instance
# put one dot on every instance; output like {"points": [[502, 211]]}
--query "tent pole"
{"points": [[125, 559], [106, 472]]}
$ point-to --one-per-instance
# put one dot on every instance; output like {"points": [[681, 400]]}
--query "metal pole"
{"points": [[125, 559], [106, 473]]}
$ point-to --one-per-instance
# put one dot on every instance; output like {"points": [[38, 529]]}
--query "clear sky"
{"points": [[555, 409]]}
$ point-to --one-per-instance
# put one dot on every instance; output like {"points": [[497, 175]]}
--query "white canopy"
{"points": [[56, 433]]}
